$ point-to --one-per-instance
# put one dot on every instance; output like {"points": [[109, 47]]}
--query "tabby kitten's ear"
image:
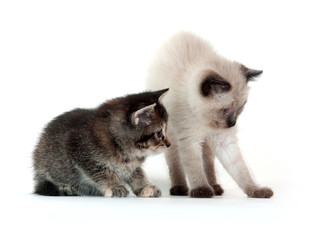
{"points": [[250, 74], [143, 116], [161, 93]]}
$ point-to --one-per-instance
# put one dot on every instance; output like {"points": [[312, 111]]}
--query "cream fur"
{"points": [[181, 64]]}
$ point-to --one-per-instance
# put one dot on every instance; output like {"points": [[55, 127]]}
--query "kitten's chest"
{"points": [[125, 170]]}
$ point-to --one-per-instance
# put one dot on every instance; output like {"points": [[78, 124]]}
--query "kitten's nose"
{"points": [[231, 123], [232, 120], [167, 143]]}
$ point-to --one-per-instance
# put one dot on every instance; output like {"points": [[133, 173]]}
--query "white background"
{"points": [[59, 55]]}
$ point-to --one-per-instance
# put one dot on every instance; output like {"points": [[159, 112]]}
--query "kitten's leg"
{"points": [[89, 189], [47, 188], [176, 172], [140, 185], [44, 187], [228, 152], [192, 162], [67, 190], [208, 158], [108, 181]]}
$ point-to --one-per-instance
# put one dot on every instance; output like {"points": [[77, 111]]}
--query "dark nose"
{"points": [[231, 121], [167, 143]]}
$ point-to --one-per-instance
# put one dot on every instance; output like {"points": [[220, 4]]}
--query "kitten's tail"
{"points": [[46, 188]]}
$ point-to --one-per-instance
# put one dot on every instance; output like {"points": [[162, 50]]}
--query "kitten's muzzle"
{"points": [[232, 120], [167, 142]]}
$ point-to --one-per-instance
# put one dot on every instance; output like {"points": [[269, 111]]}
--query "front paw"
{"points": [[118, 191], [202, 192], [218, 190], [179, 190], [258, 192], [148, 191]]}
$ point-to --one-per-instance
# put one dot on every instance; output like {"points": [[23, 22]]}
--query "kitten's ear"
{"points": [[164, 92], [161, 93], [214, 85], [143, 116], [250, 74]]}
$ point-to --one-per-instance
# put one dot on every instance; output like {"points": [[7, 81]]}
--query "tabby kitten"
{"points": [[98, 151]]}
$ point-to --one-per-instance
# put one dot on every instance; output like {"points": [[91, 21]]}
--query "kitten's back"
{"points": [[176, 57], [49, 153], [69, 120]]}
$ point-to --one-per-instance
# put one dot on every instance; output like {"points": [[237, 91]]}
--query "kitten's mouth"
{"points": [[217, 125], [162, 147], [154, 148]]}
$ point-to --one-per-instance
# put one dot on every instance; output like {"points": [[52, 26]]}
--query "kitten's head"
{"points": [[148, 119], [136, 123], [224, 92]]}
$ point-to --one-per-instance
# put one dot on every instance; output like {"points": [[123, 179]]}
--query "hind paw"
{"points": [[260, 192], [179, 191], [202, 192]]}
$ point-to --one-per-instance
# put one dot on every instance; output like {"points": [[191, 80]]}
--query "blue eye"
{"points": [[225, 111]]}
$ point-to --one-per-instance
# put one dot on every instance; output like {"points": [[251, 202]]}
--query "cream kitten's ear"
{"points": [[214, 85], [250, 74], [143, 116]]}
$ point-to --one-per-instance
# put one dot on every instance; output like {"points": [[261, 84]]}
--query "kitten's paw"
{"points": [[218, 190], [202, 192], [179, 191], [258, 192], [66, 190], [149, 191], [108, 192], [119, 191]]}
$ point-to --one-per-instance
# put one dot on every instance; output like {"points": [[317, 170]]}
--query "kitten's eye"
{"points": [[225, 111], [159, 134]]}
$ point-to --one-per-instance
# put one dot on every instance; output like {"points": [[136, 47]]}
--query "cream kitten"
{"points": [[208, 93]]}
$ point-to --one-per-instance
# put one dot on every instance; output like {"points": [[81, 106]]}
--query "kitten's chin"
{"points": [[157, 150], [151, 151]]}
